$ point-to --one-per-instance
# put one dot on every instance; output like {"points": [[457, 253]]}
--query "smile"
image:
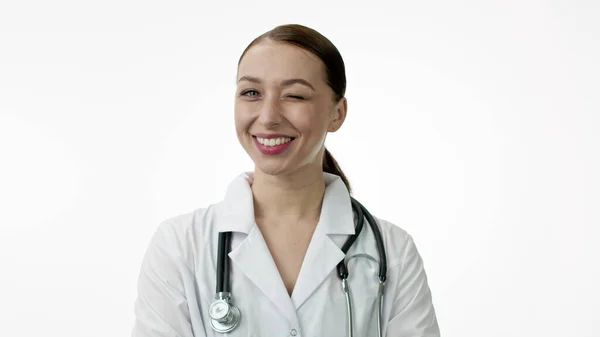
{"points": [[273, 141], [273, 146]]}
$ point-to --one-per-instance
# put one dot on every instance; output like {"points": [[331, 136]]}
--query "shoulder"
{"points": [[185, 225], [410, 307], [397, 241], [182, 236]]}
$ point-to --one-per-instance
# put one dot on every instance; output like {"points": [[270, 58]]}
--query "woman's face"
{"points": [[281, 92]]}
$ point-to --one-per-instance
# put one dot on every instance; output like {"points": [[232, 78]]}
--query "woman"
{"points": [[289, 218]]}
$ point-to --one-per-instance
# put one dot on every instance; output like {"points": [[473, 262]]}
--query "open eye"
{"points": [[249, 93]]}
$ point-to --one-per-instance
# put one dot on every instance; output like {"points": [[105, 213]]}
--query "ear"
{"points": [[341, 109]]}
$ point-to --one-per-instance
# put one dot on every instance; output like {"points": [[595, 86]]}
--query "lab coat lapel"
{"points": [[323, 254], [254, 260], [320, 261], [252, 256]]}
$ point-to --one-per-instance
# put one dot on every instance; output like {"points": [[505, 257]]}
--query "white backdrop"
{"points": [[471, 124]]}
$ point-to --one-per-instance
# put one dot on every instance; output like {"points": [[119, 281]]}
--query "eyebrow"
{"points": [[285, 83]]}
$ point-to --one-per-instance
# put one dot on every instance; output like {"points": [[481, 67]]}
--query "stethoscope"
{"points": [[225, 316]]}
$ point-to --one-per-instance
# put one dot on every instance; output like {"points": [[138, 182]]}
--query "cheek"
{"points": [[310, 121], [241, 117]]}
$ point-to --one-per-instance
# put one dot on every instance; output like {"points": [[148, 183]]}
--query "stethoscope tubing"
{"points": [[223, 286], [376, 234]]}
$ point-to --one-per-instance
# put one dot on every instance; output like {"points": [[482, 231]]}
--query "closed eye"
{"points": [[254, 93]]}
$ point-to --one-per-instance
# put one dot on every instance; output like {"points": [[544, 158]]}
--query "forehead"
{"points": [[276, 61]]}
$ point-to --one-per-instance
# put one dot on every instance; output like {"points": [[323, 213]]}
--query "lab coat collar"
{"points": [[252, 256], [236, 211]]}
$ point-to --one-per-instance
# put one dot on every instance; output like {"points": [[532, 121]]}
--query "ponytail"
{"points": [[330, 165]]}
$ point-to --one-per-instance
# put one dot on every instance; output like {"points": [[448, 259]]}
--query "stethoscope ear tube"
{"points": [[379, 241], [363, 213], [346, 289], [342, 269]]}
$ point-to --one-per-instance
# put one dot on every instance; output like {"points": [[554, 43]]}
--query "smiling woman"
{"points": [[312, 79], [282, 238]]}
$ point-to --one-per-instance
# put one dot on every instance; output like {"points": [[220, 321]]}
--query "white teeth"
{"points": [[273, 141]]}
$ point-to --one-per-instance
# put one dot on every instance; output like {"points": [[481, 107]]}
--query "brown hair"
{"points": [[335, 72]]}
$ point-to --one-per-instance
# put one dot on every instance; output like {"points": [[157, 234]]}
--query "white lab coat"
{"points": [[177, 280]]}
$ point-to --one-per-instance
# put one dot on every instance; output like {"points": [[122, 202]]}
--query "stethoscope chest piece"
{"points": [[224, 315]]}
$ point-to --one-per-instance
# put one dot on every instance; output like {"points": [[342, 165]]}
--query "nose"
{"points": [[270, 113]]}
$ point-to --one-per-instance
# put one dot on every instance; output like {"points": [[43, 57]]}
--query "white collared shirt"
{"points": [[177, 281]]}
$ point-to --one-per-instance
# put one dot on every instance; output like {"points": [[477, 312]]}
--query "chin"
{"points": [[272, 169]]}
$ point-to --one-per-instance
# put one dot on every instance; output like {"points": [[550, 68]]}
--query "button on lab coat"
{"points": [[177, 280]]}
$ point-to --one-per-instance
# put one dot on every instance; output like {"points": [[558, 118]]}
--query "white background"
{"points": [[471, 124]]}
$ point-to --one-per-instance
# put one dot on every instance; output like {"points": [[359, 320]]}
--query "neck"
{"points": [[294, 197]]}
